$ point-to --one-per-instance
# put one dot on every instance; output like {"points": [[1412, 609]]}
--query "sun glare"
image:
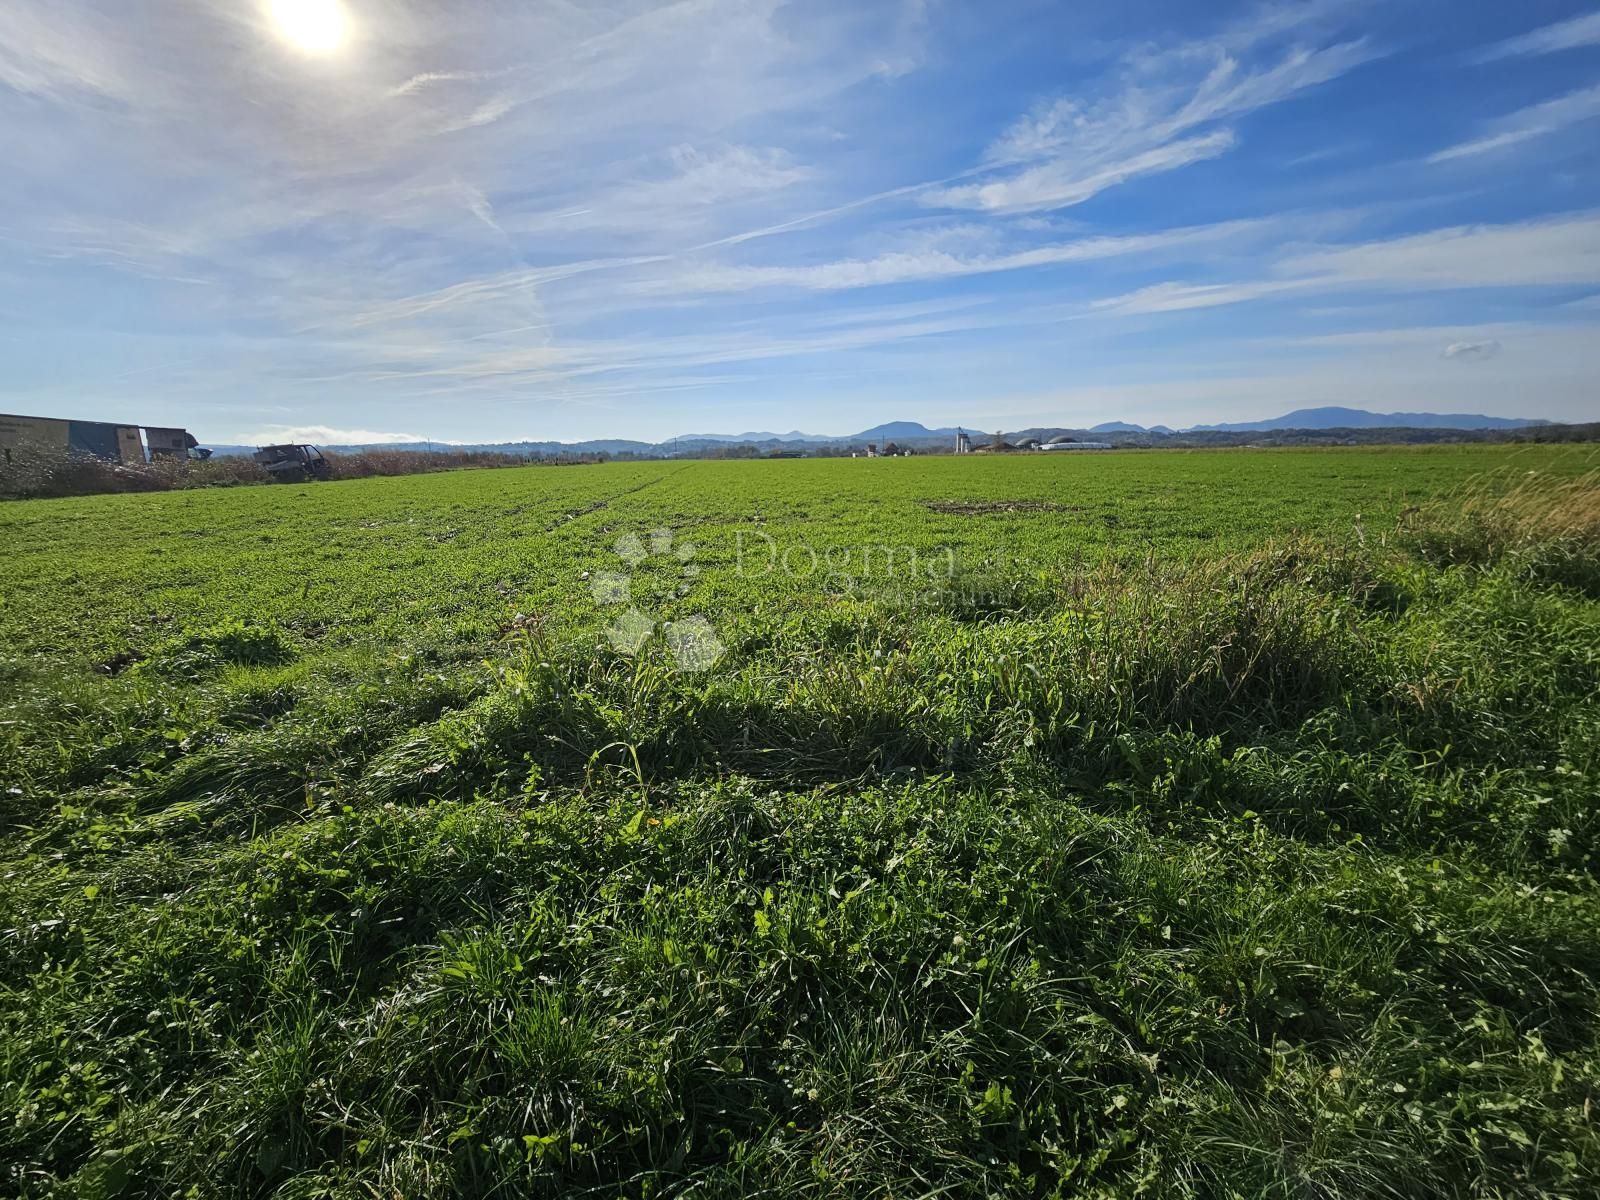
{"points": [[311, 26]]}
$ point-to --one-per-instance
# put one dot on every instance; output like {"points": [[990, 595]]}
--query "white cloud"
{"points": [[542, 111], [1535, 121], [1179, 297], [496, 370], [1561, 250], [1152, 120], [46, 53], [1061, 183], [700, 186], [322, 435], [1407, 338], [712, 177], [499, 296], [1472, 351], [930, 263], [1564, 250], [1563, 35]]}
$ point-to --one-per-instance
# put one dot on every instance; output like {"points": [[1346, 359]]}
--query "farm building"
{"points": [[997, 445], [53, 437]]}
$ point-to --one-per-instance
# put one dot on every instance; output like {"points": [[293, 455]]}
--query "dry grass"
{"points": [[1548, 528], [1488, 521], [51, 476]]}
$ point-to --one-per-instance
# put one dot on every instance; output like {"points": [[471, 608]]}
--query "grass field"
{"points": [[1169, 824]]}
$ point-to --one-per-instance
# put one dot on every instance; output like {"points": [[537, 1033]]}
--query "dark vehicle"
{"points": [[293, 464]]}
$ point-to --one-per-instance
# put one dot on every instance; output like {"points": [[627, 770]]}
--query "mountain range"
{"points": [[915, 435], [1356, 418], [893, 431]]}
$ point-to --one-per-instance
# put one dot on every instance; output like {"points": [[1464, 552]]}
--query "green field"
{"points": [[1169, 824]]}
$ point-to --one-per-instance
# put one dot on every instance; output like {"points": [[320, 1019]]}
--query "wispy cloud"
{"points": [[44, 53], [1526, 254], [1548, 39], [1063, 182], [1537, 120], [699, 187], [1154, 118], [1179, 297], [495, 368], [930, 264], [1562, 250]]}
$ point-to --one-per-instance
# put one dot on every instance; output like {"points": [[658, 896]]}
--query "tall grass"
{"points": [[1550, 528]]}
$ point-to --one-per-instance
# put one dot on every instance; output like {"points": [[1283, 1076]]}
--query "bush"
{"points": [[54, 476], [415, 462]]}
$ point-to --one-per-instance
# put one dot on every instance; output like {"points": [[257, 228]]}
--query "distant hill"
{"points": [[1357, 418], [794, 435], [531, 449], [906, 431], [1126, 427], [1318, 424]]}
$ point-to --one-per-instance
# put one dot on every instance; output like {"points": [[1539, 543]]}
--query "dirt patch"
{"points": [[978, 508], [121, 661]]}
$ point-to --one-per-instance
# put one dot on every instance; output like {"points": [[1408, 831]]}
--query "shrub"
{"points": [[52, 476]]}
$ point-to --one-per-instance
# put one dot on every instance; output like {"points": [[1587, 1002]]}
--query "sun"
{"points": [[311, 26]]}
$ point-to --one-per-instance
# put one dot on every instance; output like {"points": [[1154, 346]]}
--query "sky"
{"points": [[496, 220]]}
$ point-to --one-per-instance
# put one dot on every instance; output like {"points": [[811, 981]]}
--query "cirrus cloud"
{"points": [[1154, 119], [1547, 39]]}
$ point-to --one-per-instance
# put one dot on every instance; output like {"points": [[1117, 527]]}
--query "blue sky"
{"points": [[487, 220]]}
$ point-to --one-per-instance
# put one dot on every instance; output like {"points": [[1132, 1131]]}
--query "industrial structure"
{"points": [[22, 438]]}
